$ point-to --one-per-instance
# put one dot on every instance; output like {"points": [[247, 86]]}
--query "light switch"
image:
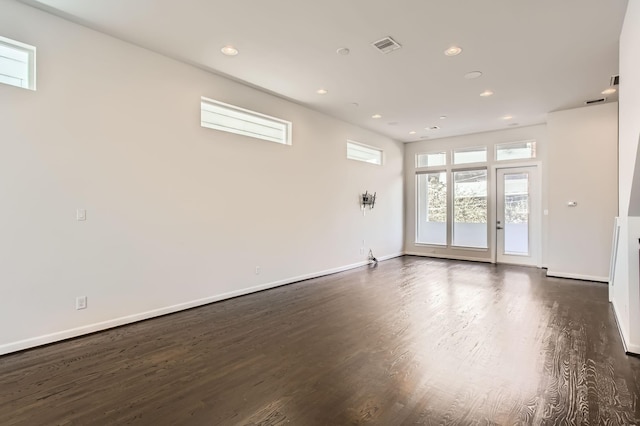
{"points": [[572, 203], [81, 214]]}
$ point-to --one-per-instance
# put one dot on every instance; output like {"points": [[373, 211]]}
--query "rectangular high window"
{"points": [[359, 152], [432, 208], [17, 64], [470, 208], [228, 118], [431, 159], [470, 155], [515, 150]]}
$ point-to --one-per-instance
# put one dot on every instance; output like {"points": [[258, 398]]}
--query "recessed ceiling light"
{"points": [[376, 116], [473, 74], [609, 91], [229, 51], [343, 51], [432, 128], [486, 93], [322, 91], [413, 132], [453, 51], [443, 117], [507, 117]]}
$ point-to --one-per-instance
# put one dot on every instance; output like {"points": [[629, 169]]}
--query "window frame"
{"points": [[447, 176], [366, 147], [31, 61], [452, 207], [469, 149], [533, 150], [419, 154], [247, 113]]}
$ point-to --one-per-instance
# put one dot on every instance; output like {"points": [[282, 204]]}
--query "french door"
{"points": [[518, 216]]}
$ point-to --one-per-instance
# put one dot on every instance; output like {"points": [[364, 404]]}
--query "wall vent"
{"points": [[386, 45], [615, 80], [595, 101]]}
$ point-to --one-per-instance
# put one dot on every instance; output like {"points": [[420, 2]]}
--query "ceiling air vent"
{"points": [[595, 101], [615, 80], [386, 45]]}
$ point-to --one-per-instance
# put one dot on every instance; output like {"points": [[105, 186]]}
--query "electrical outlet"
{"points": [[257, 270], [81, 302]]}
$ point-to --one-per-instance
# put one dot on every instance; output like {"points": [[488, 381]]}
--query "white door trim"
{"points": [[536, 209]]}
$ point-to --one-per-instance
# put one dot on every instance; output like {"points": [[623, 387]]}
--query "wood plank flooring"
{"points": [[411, 341]]}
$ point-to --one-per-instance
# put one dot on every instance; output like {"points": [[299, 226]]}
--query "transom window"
{"points": [[431, 159], [360, 152], [470, 155], [515, 150], [17, 64], [228, 118]]}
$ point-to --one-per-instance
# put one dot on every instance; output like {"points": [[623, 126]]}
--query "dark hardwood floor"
{"points": [[411, 341]]}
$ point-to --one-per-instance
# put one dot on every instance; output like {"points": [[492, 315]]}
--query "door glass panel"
{"points": [[516, 213], [432, 208], [470, 208]]}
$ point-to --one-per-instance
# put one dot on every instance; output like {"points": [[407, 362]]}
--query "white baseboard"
{"points": [[447, 256], [632, 349], [628, 347], [391, 256], [551, 273], [116, 322]]}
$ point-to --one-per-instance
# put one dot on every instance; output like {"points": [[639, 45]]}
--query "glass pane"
{"points": [[430, 160], [515, 150], [228, 118], [363, 153], [516, 213], [470, 208], [432, 208], [470, 155], [14, 65]]}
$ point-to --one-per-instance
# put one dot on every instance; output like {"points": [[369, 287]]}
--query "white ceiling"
{"points": [[537, 56]]}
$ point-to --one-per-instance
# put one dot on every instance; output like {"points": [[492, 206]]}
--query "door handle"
{"points": [[498, 225]]}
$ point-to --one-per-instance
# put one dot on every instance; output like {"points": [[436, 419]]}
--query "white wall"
{"points": [[629, 109], [538, 133], [582, 167], [625, 289], [177, 215]]}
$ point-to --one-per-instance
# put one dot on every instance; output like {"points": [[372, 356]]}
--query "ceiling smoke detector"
{"points": [[386, 45]]}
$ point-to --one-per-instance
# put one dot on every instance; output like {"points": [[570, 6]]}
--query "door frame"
{"points": [[536, 210]]}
